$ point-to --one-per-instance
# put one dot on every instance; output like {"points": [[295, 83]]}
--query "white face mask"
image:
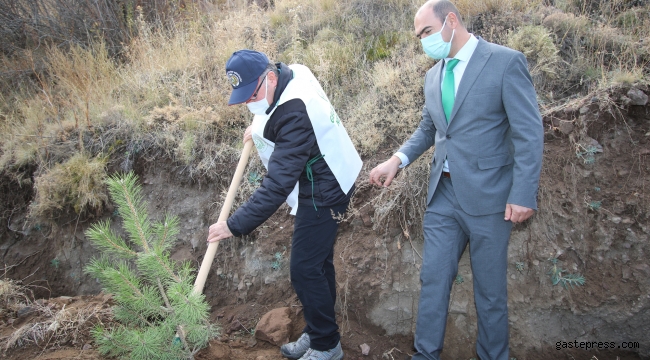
{"points": [[260, 106]]}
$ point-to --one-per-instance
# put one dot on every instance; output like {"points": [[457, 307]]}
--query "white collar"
{"points": [[465, 53]]}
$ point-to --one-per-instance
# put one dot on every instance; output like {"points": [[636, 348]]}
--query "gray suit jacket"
{"points": [[494, 139]]}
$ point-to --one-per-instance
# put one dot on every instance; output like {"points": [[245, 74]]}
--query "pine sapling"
{"points": [[153, 294]]}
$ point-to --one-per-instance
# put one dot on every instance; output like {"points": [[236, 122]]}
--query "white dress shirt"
{"points": [[463, 55]]}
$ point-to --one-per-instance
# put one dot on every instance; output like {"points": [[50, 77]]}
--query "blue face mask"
{"points": [[435, 47]]}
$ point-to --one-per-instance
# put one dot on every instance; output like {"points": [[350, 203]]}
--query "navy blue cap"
{"points": [[243, 69]]}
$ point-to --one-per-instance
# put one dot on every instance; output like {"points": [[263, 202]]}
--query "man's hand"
{"points": [[248, 134], [386, 171], [517, 214], [219, 231]]}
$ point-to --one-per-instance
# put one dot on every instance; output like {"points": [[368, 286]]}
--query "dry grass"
{"points": [[166, 95], [78, 184], [49, 324], [537, 44], [390, 106], [470, 9]]}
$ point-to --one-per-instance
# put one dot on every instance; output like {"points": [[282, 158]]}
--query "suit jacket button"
{"points": [[448, 136]]}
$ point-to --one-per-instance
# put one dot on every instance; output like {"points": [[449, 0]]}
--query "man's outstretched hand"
{"points": [[383, 174]]}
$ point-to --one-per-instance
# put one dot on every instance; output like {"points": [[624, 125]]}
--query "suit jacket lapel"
{"points": [[472, 71]]}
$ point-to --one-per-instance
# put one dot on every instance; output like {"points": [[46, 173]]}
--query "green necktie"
{"points": [[448, 88]]}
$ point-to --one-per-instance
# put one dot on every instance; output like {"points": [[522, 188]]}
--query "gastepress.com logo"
{"points": [[600, 345]]}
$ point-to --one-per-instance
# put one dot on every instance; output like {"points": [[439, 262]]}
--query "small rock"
{"points": [[251, 342], [637, 97], [235, 326], [24, 311], [626, 100], [395, 231], [365, 349], [275, 326], [458, 307], [566, 127], [616, 219], [584, 110], [87, 347], [593, 142], [367, 220], [536, 262], [235, 344], [626, 273]]}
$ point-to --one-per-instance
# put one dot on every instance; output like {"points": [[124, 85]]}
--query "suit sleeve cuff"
{"points": [[404, 158]]}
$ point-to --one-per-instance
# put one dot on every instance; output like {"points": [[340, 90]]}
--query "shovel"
{"points": [[225, 211], [212, 247]]}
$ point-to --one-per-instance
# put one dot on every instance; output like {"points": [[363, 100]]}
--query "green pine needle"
{"points": [[127, 194], [102, 237], [165, 233]]}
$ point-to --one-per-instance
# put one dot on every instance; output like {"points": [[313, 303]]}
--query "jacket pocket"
{"points": [[495, 161], [485, 90]]}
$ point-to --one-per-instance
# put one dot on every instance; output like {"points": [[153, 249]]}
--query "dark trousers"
{"points": [[312, 272]]}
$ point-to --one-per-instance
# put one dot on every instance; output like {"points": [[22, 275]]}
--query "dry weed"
{"points": [[78, 184], [167, 96], [537, 45], [389, 109], [53, 327]]}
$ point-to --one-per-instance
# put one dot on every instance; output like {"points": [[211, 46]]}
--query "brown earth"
{"points": [[593, 219]]}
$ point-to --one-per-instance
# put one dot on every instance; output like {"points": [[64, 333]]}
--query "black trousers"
{"points": [[312, 271]]}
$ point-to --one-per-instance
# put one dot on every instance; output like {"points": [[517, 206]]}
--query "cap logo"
{"points": [[234, 78]]}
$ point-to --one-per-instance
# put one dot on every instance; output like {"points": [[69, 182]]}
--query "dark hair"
{"points": [[442, 8]]}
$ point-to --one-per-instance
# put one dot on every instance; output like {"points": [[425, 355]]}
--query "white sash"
{"points": [[334, 142]]}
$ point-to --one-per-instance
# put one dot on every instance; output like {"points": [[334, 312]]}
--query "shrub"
{"points": [[154, 295], [77, 184], [389, 107], [536, 43]]}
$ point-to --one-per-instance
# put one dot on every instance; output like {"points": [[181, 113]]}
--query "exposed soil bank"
{"points": [[592, 221]]}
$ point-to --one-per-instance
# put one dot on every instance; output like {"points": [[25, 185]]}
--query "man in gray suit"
{"points": [[481, 114]]}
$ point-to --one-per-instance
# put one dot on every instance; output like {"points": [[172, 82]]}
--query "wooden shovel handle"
{"points": [[225, 211]]}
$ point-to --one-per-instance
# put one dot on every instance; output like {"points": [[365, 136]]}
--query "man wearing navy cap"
{"points": [[312, 165]]}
